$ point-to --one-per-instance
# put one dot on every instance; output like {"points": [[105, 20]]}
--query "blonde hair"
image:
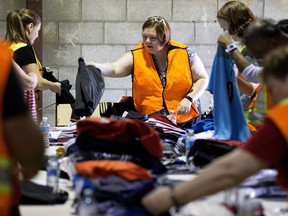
{"points": [[17, 24]]}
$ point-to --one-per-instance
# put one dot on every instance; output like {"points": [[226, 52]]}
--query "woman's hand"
{"points": [[56, 87], [184, 106], [224, 40]]}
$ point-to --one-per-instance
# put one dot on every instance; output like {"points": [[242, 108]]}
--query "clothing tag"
{"points": [[230, 90]]}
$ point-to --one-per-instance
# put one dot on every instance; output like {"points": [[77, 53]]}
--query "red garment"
{"points": [[123, 131], [104, 168], [270, 145]]}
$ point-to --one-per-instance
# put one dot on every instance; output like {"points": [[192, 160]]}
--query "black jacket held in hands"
{"points": [[89, 89]]}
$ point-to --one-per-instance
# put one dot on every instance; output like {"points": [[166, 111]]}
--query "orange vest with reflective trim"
{"points": [[5, 160], [148, 93]]}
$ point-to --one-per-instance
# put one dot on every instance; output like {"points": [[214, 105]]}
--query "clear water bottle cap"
{"points": [[45, 118], [88, 191], [190, 132]]}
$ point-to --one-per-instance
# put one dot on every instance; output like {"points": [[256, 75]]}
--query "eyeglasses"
{"points": [[156, 19]]}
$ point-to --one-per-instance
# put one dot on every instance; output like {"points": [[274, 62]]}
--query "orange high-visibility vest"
{"points": [[148, 93], [279, 115], [5, 160]]}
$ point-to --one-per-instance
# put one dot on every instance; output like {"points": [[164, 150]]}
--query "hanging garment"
{"points": [[229, 120], [89, 89]]}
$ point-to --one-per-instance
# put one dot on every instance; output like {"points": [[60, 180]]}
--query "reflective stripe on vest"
{"points": [[148, 92], [262, 103], [261, 106], [5, 175]]}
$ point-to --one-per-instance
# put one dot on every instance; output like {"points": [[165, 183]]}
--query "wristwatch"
{"points": [[231, 47], [189, 98]]}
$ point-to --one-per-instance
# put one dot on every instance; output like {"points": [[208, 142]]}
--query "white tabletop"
{"points": [[271, 206]]}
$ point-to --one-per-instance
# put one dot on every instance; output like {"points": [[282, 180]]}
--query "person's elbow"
{"points": [[33, 80], [203, 80]]}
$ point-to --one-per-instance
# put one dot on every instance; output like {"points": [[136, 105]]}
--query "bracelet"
{"points": [[189, 98], [173, 198], [231, 47]]}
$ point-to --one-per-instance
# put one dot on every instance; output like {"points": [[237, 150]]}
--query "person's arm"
{"points": [[28, 81], [43, 84], [200, 78], [119, 68], [223, 173], [25, 143], [240, 60], [22, 136], [26, 59], [200, 83], [253, 73], [246, 87]]}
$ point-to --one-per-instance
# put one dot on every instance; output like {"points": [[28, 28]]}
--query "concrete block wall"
{"points": [[102, 30]]}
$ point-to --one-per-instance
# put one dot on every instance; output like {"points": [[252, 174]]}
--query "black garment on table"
{"points": [[13, 103], [35, 194], [89, 89], [87, 143], [204, 151]]}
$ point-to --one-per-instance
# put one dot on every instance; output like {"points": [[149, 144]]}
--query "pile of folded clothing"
{"points": [[119, 159]]}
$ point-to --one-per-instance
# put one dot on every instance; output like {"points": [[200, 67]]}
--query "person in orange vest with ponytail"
{"points": [[267, 148], [166, 75], [21, 141]]}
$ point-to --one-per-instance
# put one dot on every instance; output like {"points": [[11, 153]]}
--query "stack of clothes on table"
{"points": [[169, 135], [120, 160]]}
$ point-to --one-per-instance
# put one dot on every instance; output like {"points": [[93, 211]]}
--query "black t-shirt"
{"points": [[24, 56], [13, 103]]}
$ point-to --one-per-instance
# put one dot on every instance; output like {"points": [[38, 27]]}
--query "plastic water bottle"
{"points": [[53, 172], [250, 207], [88, 204], [190, 139], [45, 127]]}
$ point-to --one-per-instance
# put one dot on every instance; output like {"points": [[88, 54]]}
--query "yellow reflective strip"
{"points": [[5, 162], [263, 109], [242, 48], [5, 188], [16, 46], [284, 101]]}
